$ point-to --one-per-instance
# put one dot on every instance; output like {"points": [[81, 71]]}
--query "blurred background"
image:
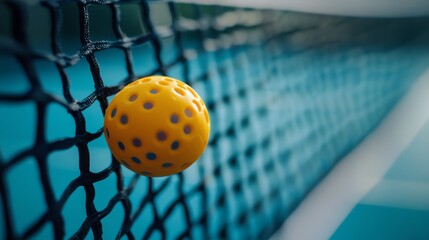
{"points": [[319, 122]]}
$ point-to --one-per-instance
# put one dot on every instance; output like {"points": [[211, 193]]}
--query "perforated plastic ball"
{"points": [[157, 126]]}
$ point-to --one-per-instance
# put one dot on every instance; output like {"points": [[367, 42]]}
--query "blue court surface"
{"points": [[398, 206], [381, 189]]}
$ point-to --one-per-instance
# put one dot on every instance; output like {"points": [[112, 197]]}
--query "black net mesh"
{"points": [[288, 94]]}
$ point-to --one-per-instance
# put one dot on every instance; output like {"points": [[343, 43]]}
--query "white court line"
{"points": [[365, 8], [329, 203]]}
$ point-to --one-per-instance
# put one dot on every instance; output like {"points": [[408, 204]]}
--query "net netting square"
{"points": [[289, 94]]}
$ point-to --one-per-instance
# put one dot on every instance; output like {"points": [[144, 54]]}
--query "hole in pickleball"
{"points": [[174, 118], [136, 159], [146, 173], [137, 142], [175, 145], [148, 105], [181, 84], [192, 92], [206, 116], [146, 80], [124, 119], [197, 105], [164, 83], [151, 156], [166, 165], [187, 129], [161, 136], [133, 83], [121, 145], [154, 91], [107, 133], [133, 97], [188, 112], [179, 91], [185, 165], [113, 113]]}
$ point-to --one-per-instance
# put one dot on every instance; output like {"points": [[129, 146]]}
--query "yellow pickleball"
{"points": [[157, 126]]}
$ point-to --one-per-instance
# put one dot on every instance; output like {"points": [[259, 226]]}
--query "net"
{"points": [[288, 94]]}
